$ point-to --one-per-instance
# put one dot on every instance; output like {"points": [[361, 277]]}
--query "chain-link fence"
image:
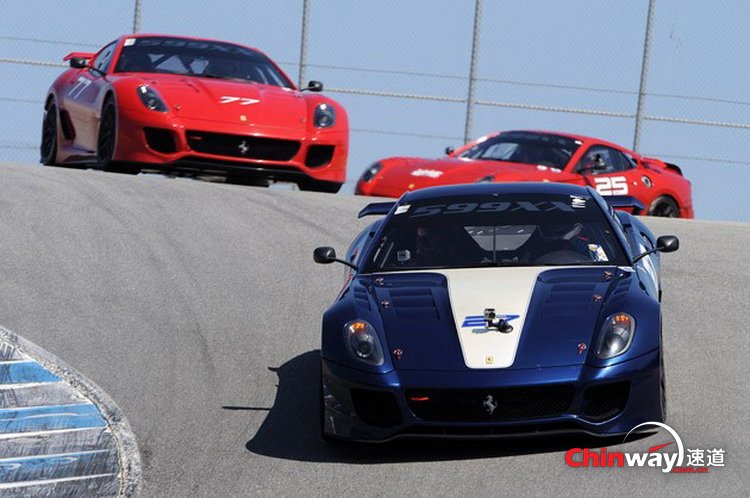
{"points": [[660, 76]]}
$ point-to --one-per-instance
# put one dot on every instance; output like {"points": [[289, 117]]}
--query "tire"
{"points": [[665, 207], [106, 142], [48, 146], [319, 186]]}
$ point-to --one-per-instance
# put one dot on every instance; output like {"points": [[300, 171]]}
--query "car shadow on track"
{"points": [[290, 431]]}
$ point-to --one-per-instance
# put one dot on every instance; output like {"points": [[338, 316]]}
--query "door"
{"points": [[82, 99], [609, 171]]}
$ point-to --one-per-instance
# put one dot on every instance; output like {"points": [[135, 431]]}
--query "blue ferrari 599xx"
{"points": [[495, 310]]}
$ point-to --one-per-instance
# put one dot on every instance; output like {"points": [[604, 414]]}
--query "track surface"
{"points": [[197, 307]]}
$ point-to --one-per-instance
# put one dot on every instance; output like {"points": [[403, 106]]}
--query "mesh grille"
{"points": [[515, 403], [221, 144]]}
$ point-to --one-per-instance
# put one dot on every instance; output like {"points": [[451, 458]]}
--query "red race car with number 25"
{"points": [[538, 156], [189, 105]]}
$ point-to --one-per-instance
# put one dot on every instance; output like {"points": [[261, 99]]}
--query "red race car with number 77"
{"points": [[517, 156], [191, 105]]}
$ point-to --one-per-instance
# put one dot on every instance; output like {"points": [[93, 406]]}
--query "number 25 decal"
{"points": [[616, 185]]}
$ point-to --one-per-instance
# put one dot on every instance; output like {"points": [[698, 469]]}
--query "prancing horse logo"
{"points": [[243, 147], [490, 404]]}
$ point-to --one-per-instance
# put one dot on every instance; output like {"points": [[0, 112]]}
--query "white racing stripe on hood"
{"points": [[508, 291]]}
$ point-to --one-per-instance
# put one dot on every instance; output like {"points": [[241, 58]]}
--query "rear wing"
{"points": [[377, 208], [79, 55], [625, 202]]}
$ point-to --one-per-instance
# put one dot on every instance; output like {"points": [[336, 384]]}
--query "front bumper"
{"points": [[379, 188], [609, 401], [168, 142]]}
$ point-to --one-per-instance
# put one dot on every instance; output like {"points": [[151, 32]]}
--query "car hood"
{"points": [[410, 173], [436, 318], [232, 101]]}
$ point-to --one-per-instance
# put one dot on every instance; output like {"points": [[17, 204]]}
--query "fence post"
{"points": [[644, 76], [137, 17], [473, 70], [303, 44]]}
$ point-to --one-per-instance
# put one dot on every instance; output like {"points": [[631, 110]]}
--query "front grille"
{"points": [[222, 144], [491, 404], [378, 408], [319, 155], [605, 401], [160, 140]]}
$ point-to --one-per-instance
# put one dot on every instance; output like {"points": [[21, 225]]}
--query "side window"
{"points": [[104, 58], [630, 160], [620, 161], [612, 159], [355, 249]]}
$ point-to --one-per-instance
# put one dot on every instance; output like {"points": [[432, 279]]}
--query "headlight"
{"points": [[325, 116], [363, 342], [370, 172], [486, 179], [151, 99], [616, 335]]}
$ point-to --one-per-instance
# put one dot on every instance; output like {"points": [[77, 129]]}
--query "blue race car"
{"points": [[495, 310]]}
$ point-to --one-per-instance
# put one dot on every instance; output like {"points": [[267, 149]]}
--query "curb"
{"points": [[129, 456]]}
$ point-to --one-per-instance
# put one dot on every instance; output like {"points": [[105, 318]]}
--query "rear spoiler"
{"points": [[625, 202], [658, 163], [79, 55], [674, 168], [377, 208]]}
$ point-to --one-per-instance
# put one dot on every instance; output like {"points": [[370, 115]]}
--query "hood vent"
{"points": [[361, 297], [565, 299], [414, 304]]}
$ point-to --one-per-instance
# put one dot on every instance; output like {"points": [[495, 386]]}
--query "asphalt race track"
{"points": [[196, 307]]}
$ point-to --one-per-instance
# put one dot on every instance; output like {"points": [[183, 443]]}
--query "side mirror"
{"points": [[324, 255], [327, 255], [314, 86], [449, 150], [667, 243], [78, 63]]}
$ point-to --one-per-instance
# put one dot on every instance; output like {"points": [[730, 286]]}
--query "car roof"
{"points": [[582, 138], [182, 37], [496, 188]]}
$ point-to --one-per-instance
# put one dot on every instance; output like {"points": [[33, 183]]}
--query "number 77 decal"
{"points": [[616, 185]]}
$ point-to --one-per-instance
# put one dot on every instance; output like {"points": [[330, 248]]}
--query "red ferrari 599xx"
{"points": [[192, 105], [539, 156]]}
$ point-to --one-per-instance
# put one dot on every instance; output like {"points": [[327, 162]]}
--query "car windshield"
{"points": [[488, 230], [209, 59], [525, 148]]}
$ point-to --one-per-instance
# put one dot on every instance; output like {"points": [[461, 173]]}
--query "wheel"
{"points": [[319, 186], [48, 148], [107, 140], [665, 207]]}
